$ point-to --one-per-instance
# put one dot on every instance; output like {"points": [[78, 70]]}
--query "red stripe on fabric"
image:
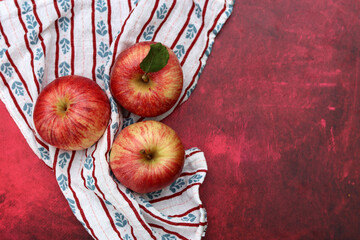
{"points": [[167, 231], [129, 3], [132, 232], [19, 74], [207, 44], [136, 212], [40, 27], [117, 40], [103, 206], [40, 142], [170, 222], [76, 198], [192, 173], [175, 194], [109, 22], [5, 37], [94, 39], [197, 35], [55, 158], [14, 100], [109, 217], [184, 26], [187, 212], [192, 153], [72, 42], [93, 173], [108, 141], [27, 44], [166, 17], [12, 62], [83, 178], [56, 68], [148, 21]]}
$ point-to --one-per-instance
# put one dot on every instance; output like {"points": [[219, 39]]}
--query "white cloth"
{"points": [[42, 40]]}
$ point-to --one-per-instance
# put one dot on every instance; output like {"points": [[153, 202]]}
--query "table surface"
{"points": [[277, 113]]}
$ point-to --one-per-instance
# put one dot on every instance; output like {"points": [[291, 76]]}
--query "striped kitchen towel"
{"points": [[43, 40]]}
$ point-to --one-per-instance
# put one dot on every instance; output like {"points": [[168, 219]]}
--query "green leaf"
{"points": [[156, 59]]}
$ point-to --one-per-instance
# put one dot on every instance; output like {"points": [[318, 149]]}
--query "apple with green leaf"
{"points": [[146, 79], [71, 113], [147, 156]]}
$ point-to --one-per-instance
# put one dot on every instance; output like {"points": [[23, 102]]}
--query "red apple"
{"points": [[71, 113], [147, 156], [147, 94]]}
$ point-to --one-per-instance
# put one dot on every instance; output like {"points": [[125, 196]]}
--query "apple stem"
{"points": [[145, 78], [145, 154]]}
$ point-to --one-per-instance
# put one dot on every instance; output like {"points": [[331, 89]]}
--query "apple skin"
{"points": [[130, 161], [146, 99], [71, 113]]}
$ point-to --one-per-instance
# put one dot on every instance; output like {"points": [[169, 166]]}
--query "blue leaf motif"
{"points": [[2, 51], [149, 32], [18, 88], [127, 122], [107, 202], [63, 182], [101, 6], [217, 29], [65, 45], [65, 4], [153, 195], [179, 51], [102, 76], [64, 157], [127, 237], [189, 218], [115, 126], [177, 185], [195, 178], [168, 237], [64, 23], [72, 205], [39, 54], [64, 68], [25, 8], [162, 11], [208, 50], [120, 220], [88, 162], [104, 50], [113, 105], [44, 153], [101, 28], [33, 37], [30, 20], [40, 74], [230, 9], [130, 193], [189, 92], [147, 204], [7, 69], [28, 108], [90, 182], [191, 31], [198, 10]]}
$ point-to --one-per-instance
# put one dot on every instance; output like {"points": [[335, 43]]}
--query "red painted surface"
{"points": [[277, 112]]}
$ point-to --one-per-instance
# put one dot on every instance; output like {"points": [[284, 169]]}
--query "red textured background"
{"points": [[277, 113]]}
